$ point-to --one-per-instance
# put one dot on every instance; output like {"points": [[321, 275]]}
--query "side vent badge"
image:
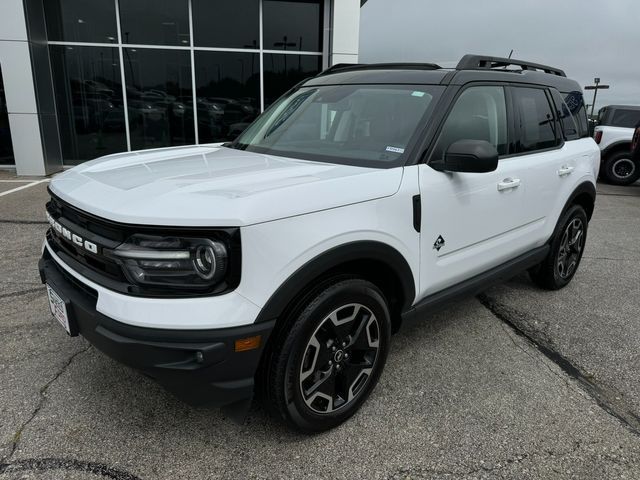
{"points": [[439, 243]]}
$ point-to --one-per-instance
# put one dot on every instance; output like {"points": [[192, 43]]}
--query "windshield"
{"points": [[363, 125]]}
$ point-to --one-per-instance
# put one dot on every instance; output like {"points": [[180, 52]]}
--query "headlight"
{"points": [[172, 262]]}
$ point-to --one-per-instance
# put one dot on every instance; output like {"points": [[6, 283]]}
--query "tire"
{"points": [[620, 169], [567, 247], [328, 357]]}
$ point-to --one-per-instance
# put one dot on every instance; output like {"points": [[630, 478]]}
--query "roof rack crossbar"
{"points": [[481, 62], [344, 67]]}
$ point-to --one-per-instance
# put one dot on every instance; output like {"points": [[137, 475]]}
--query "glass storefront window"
{"points": [[292, 25], [155, 22], [282, 71], [6, 148], [221, 23], [228, 93], [159, 97], [81, 20], [88, 91], [160, 67]]}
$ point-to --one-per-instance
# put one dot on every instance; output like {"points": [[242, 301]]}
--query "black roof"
{"points": [[470, 68], [621, 107]]}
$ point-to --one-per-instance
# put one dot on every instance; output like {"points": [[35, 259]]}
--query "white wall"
{"points": [[15, 63], [346, 31]]}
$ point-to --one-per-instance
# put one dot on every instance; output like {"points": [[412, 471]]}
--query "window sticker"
{"points": [[417, 93], [394, 149]]}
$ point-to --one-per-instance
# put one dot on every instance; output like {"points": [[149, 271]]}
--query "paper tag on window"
{"points": [[395, 149], [418, 94]]}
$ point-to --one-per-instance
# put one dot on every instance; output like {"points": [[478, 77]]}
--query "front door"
{"points": [[472, 221]]}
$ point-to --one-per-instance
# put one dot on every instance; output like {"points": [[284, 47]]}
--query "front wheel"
{"points": [[329, 358], [567, 246], [621, 169]]}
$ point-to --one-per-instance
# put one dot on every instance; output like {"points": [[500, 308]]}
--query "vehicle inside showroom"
{"points": [[108, 76]]}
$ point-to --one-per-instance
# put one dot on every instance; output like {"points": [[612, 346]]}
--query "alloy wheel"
{"points": [[570, 248], [339, 358]]}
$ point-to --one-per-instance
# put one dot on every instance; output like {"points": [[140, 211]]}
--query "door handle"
{"points": [[565, 170], [508, 183]]}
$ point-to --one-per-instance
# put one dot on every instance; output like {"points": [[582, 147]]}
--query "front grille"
{"points": [[96, 263], [107, 234], [90, 228], [74, 281]]}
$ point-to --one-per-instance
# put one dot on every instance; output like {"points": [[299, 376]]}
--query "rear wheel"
{"points": [[329, 358], [567, 246], [620, 169]]}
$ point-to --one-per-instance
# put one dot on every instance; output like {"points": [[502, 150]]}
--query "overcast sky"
{"points": [[585, 38]]}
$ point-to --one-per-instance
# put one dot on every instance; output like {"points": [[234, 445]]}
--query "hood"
{"points": [[215, 186]]}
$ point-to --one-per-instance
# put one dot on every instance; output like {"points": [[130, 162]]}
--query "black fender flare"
{"points": [[587, 188], [331, 259], [615, 146]]}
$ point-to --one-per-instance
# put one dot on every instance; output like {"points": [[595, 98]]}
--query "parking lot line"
{"points": [[15, 181], [22, 187]]}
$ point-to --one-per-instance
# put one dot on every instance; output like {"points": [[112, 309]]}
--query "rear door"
{"points": [[547, 141]]}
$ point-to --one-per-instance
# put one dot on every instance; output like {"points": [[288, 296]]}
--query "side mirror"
{"points": [[472, 156]]}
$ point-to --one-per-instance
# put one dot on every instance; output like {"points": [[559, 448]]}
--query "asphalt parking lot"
{"points": [[517, 383]]}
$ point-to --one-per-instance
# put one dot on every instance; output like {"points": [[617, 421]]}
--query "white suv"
{"points": [[282, 262], [613, 134]]}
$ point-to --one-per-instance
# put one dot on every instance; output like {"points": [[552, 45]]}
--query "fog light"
{"points": [[250, 343]]}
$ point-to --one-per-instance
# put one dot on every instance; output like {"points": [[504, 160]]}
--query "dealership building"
{"points": [[84, 78]]}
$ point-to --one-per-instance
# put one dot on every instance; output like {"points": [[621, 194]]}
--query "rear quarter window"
{"points": [[567, 120], [575, 103]]}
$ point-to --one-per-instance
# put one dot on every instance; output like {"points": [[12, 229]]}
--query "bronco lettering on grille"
{"points": [[77, 240]]}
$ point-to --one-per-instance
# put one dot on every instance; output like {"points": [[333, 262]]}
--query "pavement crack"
{"points": [[509, 331], [617, 194], [49, 464], [602, 395], [21, 292], [606, 258], [23, 222], [41, 400]]}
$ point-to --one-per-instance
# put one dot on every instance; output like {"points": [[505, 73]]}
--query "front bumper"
{"points": [[201, 367]]}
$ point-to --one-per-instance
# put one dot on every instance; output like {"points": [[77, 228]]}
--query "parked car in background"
{"points": [[635, 145], [613, 134]]}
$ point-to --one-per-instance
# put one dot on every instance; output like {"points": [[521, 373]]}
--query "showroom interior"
{"points": [[79, 80]]}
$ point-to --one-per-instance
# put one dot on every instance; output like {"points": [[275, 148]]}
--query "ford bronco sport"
{"points": [[280, 263]]}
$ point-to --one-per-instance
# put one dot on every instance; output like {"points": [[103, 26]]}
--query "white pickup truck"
{"points": [[613, 134]]}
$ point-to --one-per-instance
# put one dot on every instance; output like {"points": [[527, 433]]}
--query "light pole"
{"points": [[595, 89]]}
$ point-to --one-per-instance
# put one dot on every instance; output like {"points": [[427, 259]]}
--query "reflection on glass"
{"points": [[281, 72], [81, 21], [6, 148], [157, 22], [292, 25], [89, 101], [159, 97], [221, 23], [228, 92]]}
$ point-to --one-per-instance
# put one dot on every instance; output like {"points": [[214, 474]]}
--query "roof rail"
{"points": [[347, 67], [482, 62]]}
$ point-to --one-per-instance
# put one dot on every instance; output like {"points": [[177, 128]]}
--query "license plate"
{"points": [[58, 309]]}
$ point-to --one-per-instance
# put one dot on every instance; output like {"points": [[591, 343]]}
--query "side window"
{"points": [[575, 102], [567, 123], [479, 114], [625, 118], [534, 117]]}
